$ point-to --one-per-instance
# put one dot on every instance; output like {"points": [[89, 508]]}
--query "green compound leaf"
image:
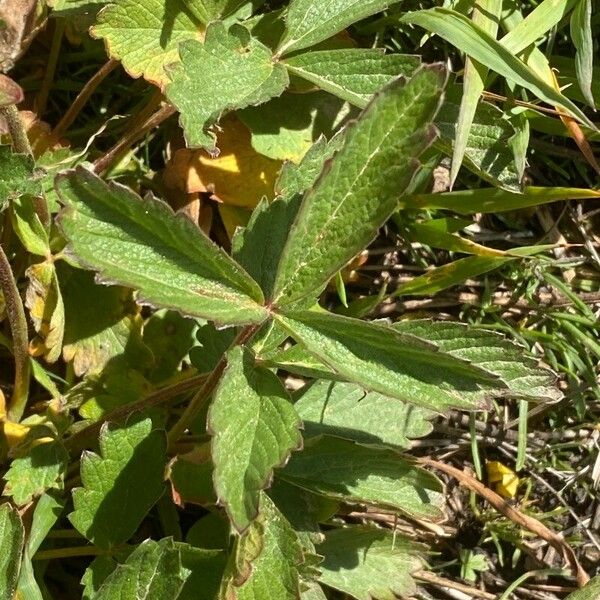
{"points": [[525, 378], [12, 540], [267, 559], [152, 572], [254, 427], [386, 361], [345, 410], [16, 176], [145, 34], [42, 469], [354, 74], [309, 22], [369, 563], [142, 244], [356, 474], [121, 484], [244, 68], [357, 192]]}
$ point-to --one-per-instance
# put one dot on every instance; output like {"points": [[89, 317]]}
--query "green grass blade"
{"points": [[486, 14], [462, 33]]}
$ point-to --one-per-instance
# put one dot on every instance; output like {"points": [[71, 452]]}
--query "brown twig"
{"points": [[515, 515], [132, 136], [429, 577], [84, 95]]}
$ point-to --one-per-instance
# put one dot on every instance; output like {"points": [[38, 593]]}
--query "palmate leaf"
{"points": [[244, 68], [254, 427], [142, 244], [266, 561], [309, 22], [525, 378], [356, 474], [383, 360], [121, 484], [345, 410], [144, 34], [357, 192], [369, 563]]}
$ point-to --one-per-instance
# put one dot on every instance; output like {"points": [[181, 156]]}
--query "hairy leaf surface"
{"points": [[41, 469], [356, 474], [383, 360], [254, 427], [151, 572], [354, 74], [311, 21], [145, 34], [244, 68], [121, 484], [142, 244], [369, 563], [524, 376], [267, 559], [345, 410], [16, 175], [357, 192]]}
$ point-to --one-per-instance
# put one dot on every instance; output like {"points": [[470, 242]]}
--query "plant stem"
{"points": [[78, 441], [57, 553], [204, 393], [42, 97], [18, 327], [84, 95], [18, 134], [102, 164]]}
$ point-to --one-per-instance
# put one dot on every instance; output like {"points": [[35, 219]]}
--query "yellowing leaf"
{"points": [[239, 175], [46, 310], [14, 433], [505, 480]]}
